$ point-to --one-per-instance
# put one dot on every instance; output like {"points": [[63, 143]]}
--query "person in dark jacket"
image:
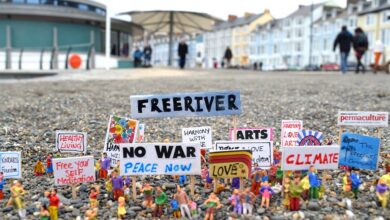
{"points": [[228, 56], [182, 52], [137, 56], [360, 45], [344, 41], [147, 55]]}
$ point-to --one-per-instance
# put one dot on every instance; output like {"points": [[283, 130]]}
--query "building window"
{"points": [[33, 2], [288, 35], [83, 7], [298, 47], [370, 19], [386, 36], [386, 16]]}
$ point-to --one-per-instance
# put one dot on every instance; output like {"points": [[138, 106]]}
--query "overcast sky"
{"points": [[218, 8]]}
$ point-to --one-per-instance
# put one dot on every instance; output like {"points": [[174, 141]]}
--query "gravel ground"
{"points": [[33, 109]]}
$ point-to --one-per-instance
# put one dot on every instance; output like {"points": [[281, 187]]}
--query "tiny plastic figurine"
{"points": [[182, 199], [91, 214], [117, 185], [248, 200], [208, 181], [295, 191], [147, 190], [39, 168], [121, 207], [127, 181], [314, 183], [356, 182], [16, 200], [256, 179], [386, 177], [236, 183], [286, 192], [49, 165], [204, 172], [266, 193], [108, 185], [382, 192], [44, 213], [182, 179], [193, 207], [93, 194], [305, 184], [97, 169], [54, 202], [212, 203], [104, 166], [160, 200], [175, 208], [2, 183], [235, 200]]}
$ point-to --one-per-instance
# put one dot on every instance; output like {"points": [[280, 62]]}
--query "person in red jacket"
{"points": [[54, 203]]}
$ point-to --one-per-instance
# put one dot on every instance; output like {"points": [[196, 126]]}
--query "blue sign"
{"points": [[359, 151], [10, 164], [186, 104]]}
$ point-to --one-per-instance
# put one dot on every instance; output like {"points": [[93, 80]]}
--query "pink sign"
{"points": [[73, 170]]}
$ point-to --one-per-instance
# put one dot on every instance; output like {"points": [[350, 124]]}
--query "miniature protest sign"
{"points": [[263, 134], [198, 135], [141, 133], [309, 138], [73, 170], [230, 164], [289, 134], [160, 159], [366, 119], [71, 142], [261, 151], [300, 158], [359, 151], [119, 130], [186, 104], [10, 164]]}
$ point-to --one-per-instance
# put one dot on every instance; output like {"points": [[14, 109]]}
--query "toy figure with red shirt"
{"points": [[2, 183], [93, 194], [54, 203], [49, 165]]}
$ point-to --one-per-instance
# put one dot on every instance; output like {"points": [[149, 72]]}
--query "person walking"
{"points": [[137, 56], [378, 50], [182, 52], [147, 55], [360, 45], [228, 56], [343, 40]]}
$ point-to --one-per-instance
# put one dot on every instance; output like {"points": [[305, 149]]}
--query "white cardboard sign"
{"points": [[10, 164], [262, 151], [289, 134], [300, 158], [71, 141], [73, 170], [198, 135], [367, 119], [159, 159]]}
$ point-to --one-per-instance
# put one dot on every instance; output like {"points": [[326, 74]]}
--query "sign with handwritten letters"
{"points": [[159, 159], [10, 164], [73, 170], [309, 138], [263, 134], [198, 135], [71, 142], [359, 151], [119, 131], [300, 158], [262, 151], [366, 119], [230, 164], [203, 104], [289, 134], [141, 133]]}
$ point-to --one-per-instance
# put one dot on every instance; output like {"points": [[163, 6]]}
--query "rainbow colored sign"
{"points": [[230, 164]]}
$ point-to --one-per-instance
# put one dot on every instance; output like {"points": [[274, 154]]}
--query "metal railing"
{"points": [[54, 54]]}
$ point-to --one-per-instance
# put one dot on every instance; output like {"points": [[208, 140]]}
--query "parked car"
{"points": [[330, 67], [312, 68]]}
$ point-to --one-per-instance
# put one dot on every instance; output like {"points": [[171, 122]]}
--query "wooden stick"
{"points": [[74, 191], [379, 133], [215, 180], [134, 187], [241, 183], [192, 185], [341, 129]]}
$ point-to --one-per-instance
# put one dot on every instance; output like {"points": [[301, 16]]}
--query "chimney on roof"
{"points": [[232, 17]]}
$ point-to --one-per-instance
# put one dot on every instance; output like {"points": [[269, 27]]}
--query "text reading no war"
{"points": [[159, 158], [186, 104]]}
